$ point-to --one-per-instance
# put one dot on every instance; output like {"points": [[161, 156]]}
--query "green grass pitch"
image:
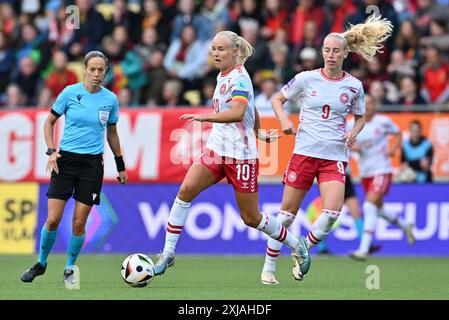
{"points": [[212, 277]]}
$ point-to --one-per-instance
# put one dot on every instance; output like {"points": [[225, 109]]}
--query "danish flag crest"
{"points": [[344, 98]]}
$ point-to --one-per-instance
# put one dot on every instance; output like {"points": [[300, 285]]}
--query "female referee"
{"points": [[77, 168]]}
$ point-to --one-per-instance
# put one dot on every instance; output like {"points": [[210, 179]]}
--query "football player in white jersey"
{"points": [[376, 172], [230, 151], [326, 96]]}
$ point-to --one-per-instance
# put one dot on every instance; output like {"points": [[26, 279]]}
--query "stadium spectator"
{"points": [[336, 12], [28, 79], [125, 68], [15, 98], [77, 168], [311, 40], [247, 11], [6, 61], [154, 16], [60, 77], [307, 10], [115, 77], [409, 93], [122, 16], [207, 92], [308, 58], [172, 94], [263, 99], [261, 58], [31, 44], [186, 57], [60, 33], [215, 13], [399, 67], [275, 16], [148, 45], [439, 37], [45, 99], [91, 30], [374, 71], [125, 97], [407, 40], [435, 74], [8, 21], [157, 75], [423, 15], [282, 69], [377, 91], [187, 16], [417, 156], [121, 36]]}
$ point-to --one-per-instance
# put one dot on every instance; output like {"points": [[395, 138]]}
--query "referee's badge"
{"points": [[103, 116]]}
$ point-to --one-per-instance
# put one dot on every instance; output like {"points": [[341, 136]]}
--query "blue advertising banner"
{"points": [[133, 218]]}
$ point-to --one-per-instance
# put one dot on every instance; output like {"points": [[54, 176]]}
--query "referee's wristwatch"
{"points": [[50, 151]]}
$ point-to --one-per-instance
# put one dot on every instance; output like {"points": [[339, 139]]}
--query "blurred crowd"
{"points": [[159, 51]]}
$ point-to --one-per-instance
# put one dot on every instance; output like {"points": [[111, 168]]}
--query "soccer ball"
{"points": [[138, 270], [407, 175]]}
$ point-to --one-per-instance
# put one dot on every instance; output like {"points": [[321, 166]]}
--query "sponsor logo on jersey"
{"points": [[313, 93]]}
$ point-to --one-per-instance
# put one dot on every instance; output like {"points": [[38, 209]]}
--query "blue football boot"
{"points": [[301, 259]]}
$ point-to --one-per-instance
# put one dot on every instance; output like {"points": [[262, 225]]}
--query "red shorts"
{"points": [[302, 170], [377, 184], [242, 174]]}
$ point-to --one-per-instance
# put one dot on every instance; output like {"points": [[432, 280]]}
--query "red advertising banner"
{"points": [[159, 147]]}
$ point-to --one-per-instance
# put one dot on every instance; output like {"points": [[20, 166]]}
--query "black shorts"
{"points": [[349, 188], [80, 175]]}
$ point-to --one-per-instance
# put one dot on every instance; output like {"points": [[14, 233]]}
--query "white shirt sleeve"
{"points": [[358, 102], [390, 126], [295, 87]]}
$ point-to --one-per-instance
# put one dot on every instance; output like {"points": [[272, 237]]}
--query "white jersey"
{"points": [[235, 140], [324, 103], [373, 141]]}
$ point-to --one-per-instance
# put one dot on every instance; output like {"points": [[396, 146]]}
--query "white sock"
{"points": [[176, 221], [321, 227], [393, 218], [273, 246], [274, 229], [369, 223]]}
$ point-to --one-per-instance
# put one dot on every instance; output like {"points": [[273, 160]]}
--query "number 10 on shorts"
{"points": [[243, 172]]}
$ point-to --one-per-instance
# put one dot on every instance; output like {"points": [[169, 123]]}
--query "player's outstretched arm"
{"points": [[235, 114]]}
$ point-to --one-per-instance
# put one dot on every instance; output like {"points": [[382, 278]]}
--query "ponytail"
{"points": [[366, 38]]}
